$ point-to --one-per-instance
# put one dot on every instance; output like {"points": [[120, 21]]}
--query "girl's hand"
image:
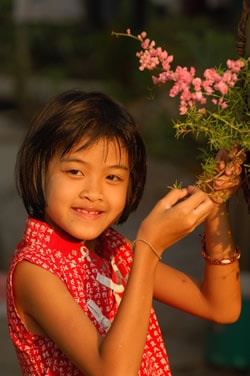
{"points": [[175, 216], [229, 168]]}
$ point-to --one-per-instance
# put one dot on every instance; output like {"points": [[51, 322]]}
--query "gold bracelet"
{"points": [[149, 245], [215, 261]]}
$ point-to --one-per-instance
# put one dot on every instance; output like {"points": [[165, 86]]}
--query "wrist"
{"points": [[219, 209], [223, 256], [149, 245]]}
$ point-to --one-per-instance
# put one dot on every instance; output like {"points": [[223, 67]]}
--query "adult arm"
{"points": [[218, 297]]}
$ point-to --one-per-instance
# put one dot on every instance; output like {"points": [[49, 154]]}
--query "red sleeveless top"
{"points": [[96, 280]]}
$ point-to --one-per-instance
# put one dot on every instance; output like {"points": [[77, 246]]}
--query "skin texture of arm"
{"points": [[218, 297]]}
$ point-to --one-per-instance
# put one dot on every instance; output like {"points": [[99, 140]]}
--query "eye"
{"points": [[75, 172], [113, 178]]}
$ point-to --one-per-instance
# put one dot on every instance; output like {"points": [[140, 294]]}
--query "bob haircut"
{"points": [[69, 118]]}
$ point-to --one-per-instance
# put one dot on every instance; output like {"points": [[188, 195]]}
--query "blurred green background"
{"points": [[85, 51]]}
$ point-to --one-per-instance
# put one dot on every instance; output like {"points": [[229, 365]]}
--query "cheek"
{"points": [[51, 199], [49, 190], [55, 191], [121, 198]]}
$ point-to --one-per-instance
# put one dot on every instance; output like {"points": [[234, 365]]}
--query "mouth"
{"points": [[88, 213]]}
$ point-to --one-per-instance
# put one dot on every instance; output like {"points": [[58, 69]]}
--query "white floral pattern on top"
{"points": [[96, 280]]}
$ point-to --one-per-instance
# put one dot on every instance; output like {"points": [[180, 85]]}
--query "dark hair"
{"points": [[63, 122]]}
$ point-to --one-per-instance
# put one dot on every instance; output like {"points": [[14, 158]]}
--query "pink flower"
{"points": [[222, 87], [183, 108], [198, 96], [183, 75], [235, 65], [141, 36], [162, 78], [197, 83], [210, 74], [186, 95], [193, 90], [207, 86], [227, 76], [147, 44], [147, 61]]}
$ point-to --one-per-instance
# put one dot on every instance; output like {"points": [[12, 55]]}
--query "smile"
{"points": [[88, 212]]}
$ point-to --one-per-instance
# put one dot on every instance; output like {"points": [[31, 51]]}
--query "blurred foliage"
{"points": [[80, 51], [6, 36], [5, 8]]}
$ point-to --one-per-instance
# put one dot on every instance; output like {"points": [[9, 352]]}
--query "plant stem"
{"points": [[216, 116], [114, 33]]}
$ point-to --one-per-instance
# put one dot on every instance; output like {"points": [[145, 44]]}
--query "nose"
{"points": [[91, 189]]}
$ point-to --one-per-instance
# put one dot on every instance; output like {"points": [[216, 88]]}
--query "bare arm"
{"points": [[221, 285], [218, 298], [119, 352]]}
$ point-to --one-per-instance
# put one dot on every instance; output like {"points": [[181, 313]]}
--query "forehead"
{"points": [[104, 148]]}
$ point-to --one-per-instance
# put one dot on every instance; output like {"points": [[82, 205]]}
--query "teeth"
{"points": [[87, 212]]}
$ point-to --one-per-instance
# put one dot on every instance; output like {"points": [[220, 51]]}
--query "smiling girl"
{"points": [[79, 294]]}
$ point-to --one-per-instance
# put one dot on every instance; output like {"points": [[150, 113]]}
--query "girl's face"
{"points": [[86, 190]]}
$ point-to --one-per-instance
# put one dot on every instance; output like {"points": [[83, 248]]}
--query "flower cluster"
{"points": [[192, 90], [215, 105]]}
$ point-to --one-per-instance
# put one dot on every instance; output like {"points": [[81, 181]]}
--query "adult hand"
{"points": [[228, 178]]}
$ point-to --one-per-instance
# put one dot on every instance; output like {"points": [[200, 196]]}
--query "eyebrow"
{"points": [[76, 160]]}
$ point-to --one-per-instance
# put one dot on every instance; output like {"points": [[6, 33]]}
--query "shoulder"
{"points": [[114, 237], [119, 248], [42, 258]]}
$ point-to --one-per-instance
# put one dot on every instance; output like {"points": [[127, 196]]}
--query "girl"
{"points": [[79, 294]]}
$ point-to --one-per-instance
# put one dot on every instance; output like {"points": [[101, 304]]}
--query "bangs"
{"points": [[86, 143]]}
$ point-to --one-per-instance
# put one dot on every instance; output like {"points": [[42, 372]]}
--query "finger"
{"points": [[197, 198], [173, 196], [221, 165], [220, 197], [196, 193], [229, 161], [234, 170], [221, 155], [235, 154], [227, 183], [201, 211], [235, 166]]}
